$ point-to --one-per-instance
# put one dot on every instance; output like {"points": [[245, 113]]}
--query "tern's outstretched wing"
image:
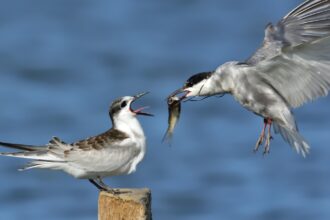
{"points": [[295, 57], [300, 74], [306, 23]]}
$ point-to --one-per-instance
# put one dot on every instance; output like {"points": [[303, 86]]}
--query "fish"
{"points": [[174, 110]]}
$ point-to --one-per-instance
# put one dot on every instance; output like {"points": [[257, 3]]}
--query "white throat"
{"points": [[129, 124]]}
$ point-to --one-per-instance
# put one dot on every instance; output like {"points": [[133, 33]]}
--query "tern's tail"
{"points": [[293, 138], [41, 155]]}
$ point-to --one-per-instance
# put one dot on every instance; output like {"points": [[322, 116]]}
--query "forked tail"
{"points": [[47, 156], [292, 137]]}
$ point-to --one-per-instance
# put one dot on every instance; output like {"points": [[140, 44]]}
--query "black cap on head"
{"points": [[193, 80], [115, 107]]}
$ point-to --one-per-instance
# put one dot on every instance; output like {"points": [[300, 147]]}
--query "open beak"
{"points": [[139, 111], [179, 91]]}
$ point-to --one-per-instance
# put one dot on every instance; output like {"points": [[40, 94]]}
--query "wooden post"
{"points": [[135, 204]]}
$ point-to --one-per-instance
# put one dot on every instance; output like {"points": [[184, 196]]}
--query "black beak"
{"points": [[139, 110], [140, 95]]}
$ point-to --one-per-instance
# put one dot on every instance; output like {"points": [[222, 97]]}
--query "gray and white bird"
{"points": [[291, 68], [114, 152]]}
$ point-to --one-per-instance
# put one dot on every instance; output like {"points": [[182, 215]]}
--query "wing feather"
{"points": [[108, 159], [308, 22], [300, 74], [295, 56]]}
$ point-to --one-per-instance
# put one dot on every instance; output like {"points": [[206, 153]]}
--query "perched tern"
{"points": [[291, 68], [114, 152]]}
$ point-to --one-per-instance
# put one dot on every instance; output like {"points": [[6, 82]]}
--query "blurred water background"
{"points": [[63, 62]]}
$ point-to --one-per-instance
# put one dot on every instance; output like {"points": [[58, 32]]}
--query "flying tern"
{"points": [[291, 68]]}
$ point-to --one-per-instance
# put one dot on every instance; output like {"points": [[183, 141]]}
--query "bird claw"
{"points": [[261, 139], [266, 149], [114, 191], [118, 191], [267, 145], [108, 189], [103, 187], [259, 143]]}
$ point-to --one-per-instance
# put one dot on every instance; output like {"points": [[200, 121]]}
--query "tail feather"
{"points": [[55, 141], [49, 156], [55, 165], [24, 147], [28, 167], [34, 155], [292, 137], [53, 151]]}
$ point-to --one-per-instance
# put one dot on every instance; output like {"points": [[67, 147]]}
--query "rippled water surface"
{"points": [[63, 62]]}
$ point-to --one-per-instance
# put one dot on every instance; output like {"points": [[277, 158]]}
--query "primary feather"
{"points": [[291, 67]]}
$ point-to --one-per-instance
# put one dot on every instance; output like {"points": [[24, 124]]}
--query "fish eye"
{"points": [[123, 104]]}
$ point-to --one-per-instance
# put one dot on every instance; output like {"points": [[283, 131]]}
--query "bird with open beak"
{"points": [[116, 151], [291, 68]]}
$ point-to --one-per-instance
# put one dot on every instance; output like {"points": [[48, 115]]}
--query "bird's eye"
{"points": [[123, 104], [188, 84]]}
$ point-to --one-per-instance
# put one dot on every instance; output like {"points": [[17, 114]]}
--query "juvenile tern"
{"points": [[114, 152], [291, 68]]}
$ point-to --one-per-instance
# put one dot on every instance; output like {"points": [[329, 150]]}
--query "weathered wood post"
{"points": [[135, 204]]}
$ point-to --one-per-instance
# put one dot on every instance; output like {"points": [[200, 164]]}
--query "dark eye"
{"points": [[123, 104], [188, 84]]}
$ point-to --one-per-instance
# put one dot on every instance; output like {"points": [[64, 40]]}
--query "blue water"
{"points": [[63, 62]]}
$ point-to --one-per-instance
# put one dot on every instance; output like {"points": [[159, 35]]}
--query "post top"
{"points": [[137, 195]]}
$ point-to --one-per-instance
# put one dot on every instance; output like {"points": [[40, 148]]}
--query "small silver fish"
{"points": [[174, 109]]}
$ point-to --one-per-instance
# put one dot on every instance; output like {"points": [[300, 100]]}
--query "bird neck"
{"points": [[224, 78], [214, 85], [128, 124]]}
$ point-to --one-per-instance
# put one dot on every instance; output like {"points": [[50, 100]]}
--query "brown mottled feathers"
{"points": [[58, 147], [98, 142]]}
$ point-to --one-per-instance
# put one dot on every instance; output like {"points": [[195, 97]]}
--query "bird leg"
{"points": [[98, 182], [261, 137], [267, 122], [269, 136], [107, 188], [101, 185]]}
